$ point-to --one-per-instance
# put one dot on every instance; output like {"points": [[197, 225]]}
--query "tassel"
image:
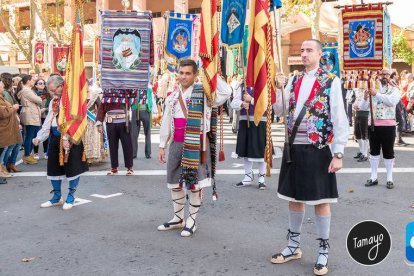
{"points": [[83, 156], [268, 167], [221, 156]]}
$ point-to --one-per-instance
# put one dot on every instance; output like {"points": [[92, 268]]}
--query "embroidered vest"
{"points": [[317, 117], [382, 111]]}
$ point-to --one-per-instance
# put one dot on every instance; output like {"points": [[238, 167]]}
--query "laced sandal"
{"points": [[262, 185], [189, 231], [130, 172], [295, 251], [246, 183], [112, 172], [320, 269], [174, 224]]}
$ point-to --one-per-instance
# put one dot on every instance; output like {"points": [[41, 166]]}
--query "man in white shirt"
{"points": [[316, 118], [191, 160]]}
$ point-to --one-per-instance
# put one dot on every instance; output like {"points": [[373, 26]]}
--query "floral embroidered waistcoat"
{"points": [[380, 110], [317, 116]]}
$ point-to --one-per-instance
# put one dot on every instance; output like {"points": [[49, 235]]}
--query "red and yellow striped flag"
{"points": [[209, 47], [72, 113], [260, 66]]}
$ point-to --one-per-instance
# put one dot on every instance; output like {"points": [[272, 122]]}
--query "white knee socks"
{"points": [[365, 146], [248, 171], [179, 198], [389, 165], [194, 206], [262, 172], [374, 161]]}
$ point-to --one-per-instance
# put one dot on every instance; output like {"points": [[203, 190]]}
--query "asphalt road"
{"points": [[236, 235]]}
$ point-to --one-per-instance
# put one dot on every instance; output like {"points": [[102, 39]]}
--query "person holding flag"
{"points": [[74, 163], [66, 122], [316, 118]]}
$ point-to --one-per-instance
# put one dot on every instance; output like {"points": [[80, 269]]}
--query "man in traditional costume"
{"points": [[142, 113], [381, 130], [118, 122], [361, 126], [316, 117], [251, 139], [189, 121], [65, 159]]}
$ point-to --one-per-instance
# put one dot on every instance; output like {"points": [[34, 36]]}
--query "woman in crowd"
{"points": [[30, 115], [40, 89], [93, 140], [9, 127], [11, 152]]}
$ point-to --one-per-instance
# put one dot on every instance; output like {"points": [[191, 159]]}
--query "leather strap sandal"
{"points": [[174, 224], [321, 269], [295, 251]]}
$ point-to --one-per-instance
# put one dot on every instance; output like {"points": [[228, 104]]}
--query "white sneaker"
{"points": [[48, 204], [67, 206]]}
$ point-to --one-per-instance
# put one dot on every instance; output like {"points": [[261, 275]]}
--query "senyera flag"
{"points": [[209, 47], [72, 113], [260, 65]]}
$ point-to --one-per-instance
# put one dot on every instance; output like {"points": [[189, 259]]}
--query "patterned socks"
{"points": [[323, 224], [295, 226]]}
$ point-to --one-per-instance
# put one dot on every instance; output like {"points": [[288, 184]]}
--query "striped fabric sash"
{"points": [[192, 145]]}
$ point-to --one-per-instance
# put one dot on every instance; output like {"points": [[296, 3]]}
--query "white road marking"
{"points": [[80, 201], [219, 172], [106, 196], [237, 165]]}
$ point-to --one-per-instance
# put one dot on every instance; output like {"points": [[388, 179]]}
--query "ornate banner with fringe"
{"points": [[126, 54], [232, 26], [330, 58], [363, 37], [179, 35], [60, 56]]}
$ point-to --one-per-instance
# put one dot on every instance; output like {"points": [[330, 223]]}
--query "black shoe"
{"points": [[3, 181], [262, 186], [359, 154], [390, 185], [148, 156], [371, 183], [362, 159]]}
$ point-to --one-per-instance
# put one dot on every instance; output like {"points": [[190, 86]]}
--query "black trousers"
{"points": [[116, 132], [383, 137], [361, 128], [139, 116]]}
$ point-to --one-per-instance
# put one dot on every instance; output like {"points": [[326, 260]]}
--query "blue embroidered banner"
{"points": [[232, 23], [330, 58], [275, 4], [178, 34]]}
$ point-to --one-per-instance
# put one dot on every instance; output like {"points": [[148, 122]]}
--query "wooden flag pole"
{"points": [[244, 82], [279, 55]]}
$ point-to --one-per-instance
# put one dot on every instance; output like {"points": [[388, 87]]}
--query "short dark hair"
{"points": [[318, 43], [189, 62], [7, 79]]}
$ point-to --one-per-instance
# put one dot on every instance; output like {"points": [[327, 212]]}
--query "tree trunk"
{"points": [[316, 18]]}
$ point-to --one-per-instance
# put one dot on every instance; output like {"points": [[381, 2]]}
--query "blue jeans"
{"points": [[10, 154], [31, 132]]}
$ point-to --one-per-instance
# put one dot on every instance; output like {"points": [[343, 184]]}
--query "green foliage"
{"points": [[401, 48], [292, 8]]}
